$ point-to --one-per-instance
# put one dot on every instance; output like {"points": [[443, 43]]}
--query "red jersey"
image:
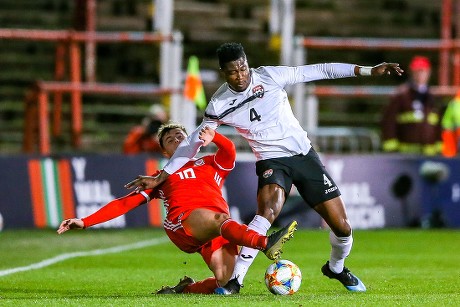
{"points": [[197, 184]]}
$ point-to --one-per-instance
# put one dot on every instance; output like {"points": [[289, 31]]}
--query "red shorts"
{"points": [[185, 242], [189, 245]]}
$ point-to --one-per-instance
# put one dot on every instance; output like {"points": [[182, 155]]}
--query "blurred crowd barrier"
{"points": [[380, 191]]}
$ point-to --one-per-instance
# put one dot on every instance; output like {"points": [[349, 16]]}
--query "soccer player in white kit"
{"points": [[255, 103]]}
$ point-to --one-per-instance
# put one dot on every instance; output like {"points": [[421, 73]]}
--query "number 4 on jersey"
{"points": [[253, 115]]}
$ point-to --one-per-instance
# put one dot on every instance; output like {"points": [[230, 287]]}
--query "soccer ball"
{"points": [[283, 277]]}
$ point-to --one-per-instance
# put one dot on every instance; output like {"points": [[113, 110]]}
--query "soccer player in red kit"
{"points": [[197, 216]]}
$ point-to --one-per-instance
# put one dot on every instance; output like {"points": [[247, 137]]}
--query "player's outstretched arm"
{"points": [[379, 70], [70, 224], [111, 210]]}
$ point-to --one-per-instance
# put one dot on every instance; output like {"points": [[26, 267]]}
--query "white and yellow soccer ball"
{"points": [[283, 277]]}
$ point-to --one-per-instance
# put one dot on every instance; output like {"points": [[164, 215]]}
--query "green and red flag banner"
{"points": [[193, 89]]}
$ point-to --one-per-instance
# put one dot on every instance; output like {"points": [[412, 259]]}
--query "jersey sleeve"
{"points": [[117, 207], [226, 152], [286, 75], [188, 148]]}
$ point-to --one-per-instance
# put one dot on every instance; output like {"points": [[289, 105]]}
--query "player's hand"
{"points": [[386, 69], [142, 183], [70, 224], [207, 135]]}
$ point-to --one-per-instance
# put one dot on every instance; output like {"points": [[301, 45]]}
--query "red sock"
{"points": [[206, 286], [241, 235]]}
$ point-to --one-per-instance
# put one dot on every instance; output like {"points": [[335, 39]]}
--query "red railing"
{"points": [[447, 46], [37, 126], [68, 46], [368, 91], [76, 36], [355, 43]]}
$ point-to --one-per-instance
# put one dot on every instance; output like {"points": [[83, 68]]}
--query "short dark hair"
{"points": [[228, 52], [167, 127]]}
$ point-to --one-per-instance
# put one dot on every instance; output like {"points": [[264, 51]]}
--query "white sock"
{"points": [[341, 248], [247, 255]]}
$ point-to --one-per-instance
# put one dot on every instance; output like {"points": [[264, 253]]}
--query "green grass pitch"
{"points": [[399, 267]]}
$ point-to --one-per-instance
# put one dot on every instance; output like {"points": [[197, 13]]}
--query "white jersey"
{"points": [[262, 113]]}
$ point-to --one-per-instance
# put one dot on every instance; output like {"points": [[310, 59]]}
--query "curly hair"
{"points": [[167, 127], [228, 52]]}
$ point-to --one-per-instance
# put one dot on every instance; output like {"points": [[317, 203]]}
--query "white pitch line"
{"points": [[96, 252]]}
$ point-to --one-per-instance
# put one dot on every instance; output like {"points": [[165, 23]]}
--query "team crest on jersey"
{"points": [[199, 162], [267, 173], [258, 91]]}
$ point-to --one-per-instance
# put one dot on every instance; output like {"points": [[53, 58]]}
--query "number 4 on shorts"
{"points": [[327, 181]]}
